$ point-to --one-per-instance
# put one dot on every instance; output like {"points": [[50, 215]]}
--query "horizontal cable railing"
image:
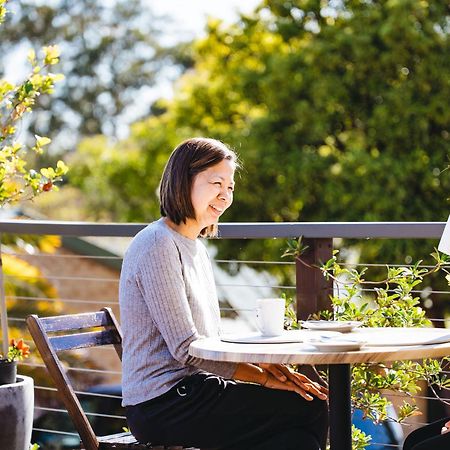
{"points": [[62, 300], [103, 281], [77, 369], [63, 433], [84, 393], [89, 414], [54, 277]]}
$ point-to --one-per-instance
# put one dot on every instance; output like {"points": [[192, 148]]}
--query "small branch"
{"points": [[434, 269], [446, 402]]}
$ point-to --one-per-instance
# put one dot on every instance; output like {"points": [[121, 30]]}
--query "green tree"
{"points": [[339, 112], [111, 55]]}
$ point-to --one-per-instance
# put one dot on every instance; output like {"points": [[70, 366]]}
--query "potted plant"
{"points": [[8, 364], [16, 399]]}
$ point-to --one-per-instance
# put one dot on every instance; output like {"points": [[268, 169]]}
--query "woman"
{"points": [[168, 300], [434, 436]]}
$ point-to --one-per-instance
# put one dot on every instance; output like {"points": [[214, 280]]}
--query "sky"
{"points": [[191, 15], [187, 19]]}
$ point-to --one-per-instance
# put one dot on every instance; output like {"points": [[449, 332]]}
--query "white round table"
{"points": [[339, 363]]}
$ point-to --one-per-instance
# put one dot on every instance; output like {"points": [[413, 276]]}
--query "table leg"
{"points": [[340, 407]]}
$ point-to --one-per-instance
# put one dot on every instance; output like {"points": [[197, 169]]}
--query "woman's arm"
{"points": [[251, 373]]}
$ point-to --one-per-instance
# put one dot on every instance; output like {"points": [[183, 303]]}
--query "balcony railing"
{"points": [[82, 274]]}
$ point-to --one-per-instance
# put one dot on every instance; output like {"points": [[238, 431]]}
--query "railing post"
{"points": [[3, 311], [313, 290]]}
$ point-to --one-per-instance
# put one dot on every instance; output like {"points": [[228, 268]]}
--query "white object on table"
{"points": [[336, 345], [344, 326], [270, 316]]}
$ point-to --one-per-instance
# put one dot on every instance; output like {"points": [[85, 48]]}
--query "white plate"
{"points": [[336, 345], [389, 336], [344, 326], [286, 337]]}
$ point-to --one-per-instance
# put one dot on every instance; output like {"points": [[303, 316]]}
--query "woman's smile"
{"points": [[216, 210]]}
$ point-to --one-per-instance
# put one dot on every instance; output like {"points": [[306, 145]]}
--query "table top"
{"points": [[303, 353]]}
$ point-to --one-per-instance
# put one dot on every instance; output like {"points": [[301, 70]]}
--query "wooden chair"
{"points": [[69, 336]]}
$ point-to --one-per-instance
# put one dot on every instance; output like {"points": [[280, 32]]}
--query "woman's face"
{"points": [[212, 192]]}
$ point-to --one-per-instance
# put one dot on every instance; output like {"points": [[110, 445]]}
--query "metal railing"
{"points": [[312, 291], [243, 230]]}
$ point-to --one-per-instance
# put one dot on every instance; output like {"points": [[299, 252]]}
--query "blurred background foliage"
{"points": [[338, 110], [111, 52]]}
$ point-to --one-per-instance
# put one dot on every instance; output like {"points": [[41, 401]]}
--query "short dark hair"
{"points": [[187, 160]]}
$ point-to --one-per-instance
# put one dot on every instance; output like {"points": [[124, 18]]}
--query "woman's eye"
{"points": [[218, 183]]}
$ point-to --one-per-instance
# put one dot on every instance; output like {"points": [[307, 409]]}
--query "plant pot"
{"points": [[8, 371], [16, 412]]}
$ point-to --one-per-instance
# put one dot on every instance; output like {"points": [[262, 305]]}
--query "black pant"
{"points": [[428, 437], [208, 411]]}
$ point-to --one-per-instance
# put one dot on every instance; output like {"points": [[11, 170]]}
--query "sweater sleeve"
{"points": [[160, 281]]}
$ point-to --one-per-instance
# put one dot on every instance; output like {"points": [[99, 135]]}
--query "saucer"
{"points": [[336, 344], [343, 326]]}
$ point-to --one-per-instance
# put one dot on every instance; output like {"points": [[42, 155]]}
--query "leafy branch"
{"points": [[389, 303], [16, 100]]}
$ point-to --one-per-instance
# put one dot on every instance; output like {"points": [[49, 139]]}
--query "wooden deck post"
{"points": [[313, 290]]}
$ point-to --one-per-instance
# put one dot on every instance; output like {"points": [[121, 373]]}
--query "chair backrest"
{"points": [[69, 336]]}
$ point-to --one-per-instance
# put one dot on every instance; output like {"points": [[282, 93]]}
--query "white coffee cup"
{"points": [[270, 316]]}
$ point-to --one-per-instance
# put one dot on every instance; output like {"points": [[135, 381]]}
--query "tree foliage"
{"points": [[110, 54], [338, 110]]}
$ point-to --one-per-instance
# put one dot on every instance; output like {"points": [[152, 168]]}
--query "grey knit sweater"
{"points": [[167, 300]]}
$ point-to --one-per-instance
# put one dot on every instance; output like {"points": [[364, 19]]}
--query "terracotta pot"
{"points": [[8, 371], [16, 412]]}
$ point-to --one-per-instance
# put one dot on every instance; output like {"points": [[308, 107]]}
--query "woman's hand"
{"points": [[282, 377], [446, 427]]}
